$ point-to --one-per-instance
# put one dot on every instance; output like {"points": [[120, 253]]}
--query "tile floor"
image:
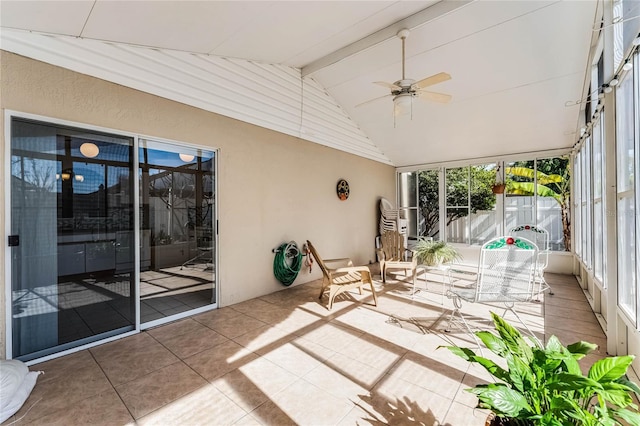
{"points": [[283, 359]]}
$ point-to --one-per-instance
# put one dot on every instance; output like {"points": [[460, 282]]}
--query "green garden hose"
{"points": [[287, 263]]}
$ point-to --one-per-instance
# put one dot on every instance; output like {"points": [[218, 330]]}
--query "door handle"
{"points": [[14, 240]]}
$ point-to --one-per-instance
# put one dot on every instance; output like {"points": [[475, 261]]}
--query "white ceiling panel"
{"points": [[353, 30], [190, 26], [55, 17], [513, 64]]}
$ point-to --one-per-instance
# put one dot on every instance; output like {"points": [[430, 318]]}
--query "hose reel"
{"points": [[287, 262]]}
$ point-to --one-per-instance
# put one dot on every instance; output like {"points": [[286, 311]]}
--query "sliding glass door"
{"points": [[72, 281], [84, 263], [177, 211]]}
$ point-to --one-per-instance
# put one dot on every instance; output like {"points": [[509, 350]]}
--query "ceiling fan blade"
{"points": [[435, 97], [372, 100], [430, 81], [387, 85]]}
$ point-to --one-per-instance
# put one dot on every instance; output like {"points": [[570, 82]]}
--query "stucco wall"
{"points": [[272, 187]]}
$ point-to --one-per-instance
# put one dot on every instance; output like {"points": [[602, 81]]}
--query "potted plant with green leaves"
{"points": [[499, 186], [544, 385], [435, 253]]}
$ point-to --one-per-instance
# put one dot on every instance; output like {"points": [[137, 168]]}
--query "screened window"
{"points": [[598, 205], [537, 192], [626, 163]]}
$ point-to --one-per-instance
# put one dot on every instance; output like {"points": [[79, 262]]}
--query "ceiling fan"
{"points": [[405, 89]]}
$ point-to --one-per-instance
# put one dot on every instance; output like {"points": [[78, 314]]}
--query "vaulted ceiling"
{"points": [[515, 66]]}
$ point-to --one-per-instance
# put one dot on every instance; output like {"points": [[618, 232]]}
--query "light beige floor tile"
{"points": [[475, 375], [248, 420], [159, 388], [252, 384], [241, 390], [105, 408], [396, 400], [202, 407], [304, 404], [269, 377], [428, 373], [344, 377], [433, 346], [64, 390], [264, 339], [132, 357], [252, 305], [319, 308], [374, 352], [462, 415], [363, 415], [59, 367], [296, 358], [402, 329], [332, 335], [295, 362], [190, 343], [236, 326], [215, 362], [173, 329], [300, 320], [273, 314], [216, 316]]}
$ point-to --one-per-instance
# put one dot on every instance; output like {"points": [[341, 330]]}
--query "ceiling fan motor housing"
{"points": [[403, 33]]}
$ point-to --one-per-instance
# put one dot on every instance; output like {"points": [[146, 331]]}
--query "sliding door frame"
{"points": [[9, 115]]}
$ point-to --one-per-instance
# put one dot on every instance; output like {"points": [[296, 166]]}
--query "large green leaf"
{"points": [[549, 419], [465, 353], [526, 172], [610, 369], [562, 403], [582, 347], [502, 400], [567, 382], [494, 369], [618, 397], [489, 365], [631, 417], [492, 342], [631, 385], [527, 188], [520, 374], [554, 345], [512, 338]]}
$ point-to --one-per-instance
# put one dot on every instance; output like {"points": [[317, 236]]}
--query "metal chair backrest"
{"points": [[507, 270], [539, 236]]}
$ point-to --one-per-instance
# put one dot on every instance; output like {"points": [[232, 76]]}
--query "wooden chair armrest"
{"points": [[341, 260], [349, 269]]}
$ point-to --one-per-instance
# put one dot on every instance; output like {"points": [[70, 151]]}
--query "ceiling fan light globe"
{"points": [[402, 104]]}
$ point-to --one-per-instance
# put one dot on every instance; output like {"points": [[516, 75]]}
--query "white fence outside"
{"points": [[518, 211]]}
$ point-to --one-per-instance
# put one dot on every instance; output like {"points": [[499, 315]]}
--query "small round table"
{"points": [[444, 270]]}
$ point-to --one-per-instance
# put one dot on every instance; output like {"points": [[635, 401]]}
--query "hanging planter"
{"points": [[499, 186]]}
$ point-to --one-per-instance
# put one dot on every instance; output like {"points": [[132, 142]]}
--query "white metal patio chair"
{"points": [[506, 274], [540, 237]]}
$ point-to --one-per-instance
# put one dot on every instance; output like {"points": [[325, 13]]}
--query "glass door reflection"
{"points": [[71, 206], [177, 211]]}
